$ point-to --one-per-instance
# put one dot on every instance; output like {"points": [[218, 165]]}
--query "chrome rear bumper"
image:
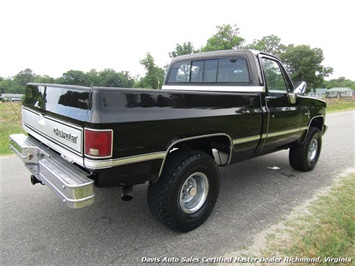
{"points": [[68, 182]]}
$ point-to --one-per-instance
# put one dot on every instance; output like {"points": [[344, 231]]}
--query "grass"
{"points": [[327, 232], [334, 105], [10, 123]]}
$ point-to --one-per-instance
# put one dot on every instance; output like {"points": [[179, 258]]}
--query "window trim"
{"points": [[209, 83], [288, 82]]}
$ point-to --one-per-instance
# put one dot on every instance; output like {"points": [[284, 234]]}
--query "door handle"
{"points": [[270, 97]]}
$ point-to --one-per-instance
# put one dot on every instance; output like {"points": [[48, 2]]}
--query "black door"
{"points": [[284, 110]]}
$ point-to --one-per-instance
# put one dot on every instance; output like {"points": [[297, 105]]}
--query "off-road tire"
{"points": [[304, 157], [187, 191]]}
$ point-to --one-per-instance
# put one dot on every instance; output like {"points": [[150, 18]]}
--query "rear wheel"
{"points": [[305, 157], [185, 194]]}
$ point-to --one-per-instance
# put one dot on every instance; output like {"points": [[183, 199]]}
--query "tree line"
{"points": [[105, 78], [302, 62]]}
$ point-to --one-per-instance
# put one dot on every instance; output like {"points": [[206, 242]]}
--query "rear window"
{"points": [[221, 70]]}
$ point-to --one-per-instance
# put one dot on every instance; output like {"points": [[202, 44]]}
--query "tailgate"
{"points": [[54, 114]]}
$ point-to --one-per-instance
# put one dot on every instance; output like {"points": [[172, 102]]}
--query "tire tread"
{"points": [[298, 155], [159, 193]]}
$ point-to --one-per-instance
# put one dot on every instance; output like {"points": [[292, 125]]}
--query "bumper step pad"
{"points": [[67, 181]]}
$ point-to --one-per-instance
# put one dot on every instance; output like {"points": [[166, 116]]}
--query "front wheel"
{"points": [[305, 156], [185, 194]]}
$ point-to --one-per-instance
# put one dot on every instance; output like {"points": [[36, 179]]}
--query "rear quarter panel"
{"points": [[146, 121]]}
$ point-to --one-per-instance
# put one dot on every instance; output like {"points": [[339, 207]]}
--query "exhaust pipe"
{"points": [[127, 193]]}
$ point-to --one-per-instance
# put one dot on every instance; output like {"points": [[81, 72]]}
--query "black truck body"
{"points": [[215, 108]]}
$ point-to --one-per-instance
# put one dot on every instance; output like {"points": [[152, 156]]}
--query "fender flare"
{"points": [[314, 122], [182, 140]]}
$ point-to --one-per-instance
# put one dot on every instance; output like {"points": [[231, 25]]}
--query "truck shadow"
{"points": [[253, 195]]}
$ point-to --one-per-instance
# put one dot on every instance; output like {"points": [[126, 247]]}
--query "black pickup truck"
{"points": [[215, 109]]}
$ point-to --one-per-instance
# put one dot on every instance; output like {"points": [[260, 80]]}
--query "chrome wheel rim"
{"points": [[193, 193], [312, 151]]}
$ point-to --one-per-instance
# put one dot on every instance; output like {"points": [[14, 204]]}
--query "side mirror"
{"points": [[301, 88]]}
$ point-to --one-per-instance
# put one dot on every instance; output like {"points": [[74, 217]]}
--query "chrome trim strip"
{"points": [[49, 138], [161, 155], [284, 132], [314, 117], [215, 88], [101, 164], [31, 119], [64, 152], [246, 139]]}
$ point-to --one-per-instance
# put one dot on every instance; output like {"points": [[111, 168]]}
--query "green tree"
{"points": [[94, 77], [227, 37], [74, 77], [110, 78], [18, 83], [154, 75], [129, 80], [305, 64], [6, 86], [270, 44], [340, 82], [44, 79], [24, 76], [182, 49], [2, 90]]}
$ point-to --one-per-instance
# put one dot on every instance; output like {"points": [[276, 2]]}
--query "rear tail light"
{"points": [[98, 143]]}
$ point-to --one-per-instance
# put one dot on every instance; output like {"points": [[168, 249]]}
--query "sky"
{"points": [[52, 37]]}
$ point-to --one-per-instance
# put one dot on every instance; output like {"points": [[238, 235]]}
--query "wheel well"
{"points": [[317, 122], [218, 147]]}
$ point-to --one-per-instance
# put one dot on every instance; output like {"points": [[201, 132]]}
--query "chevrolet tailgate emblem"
{"points": [[65, 135]]}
